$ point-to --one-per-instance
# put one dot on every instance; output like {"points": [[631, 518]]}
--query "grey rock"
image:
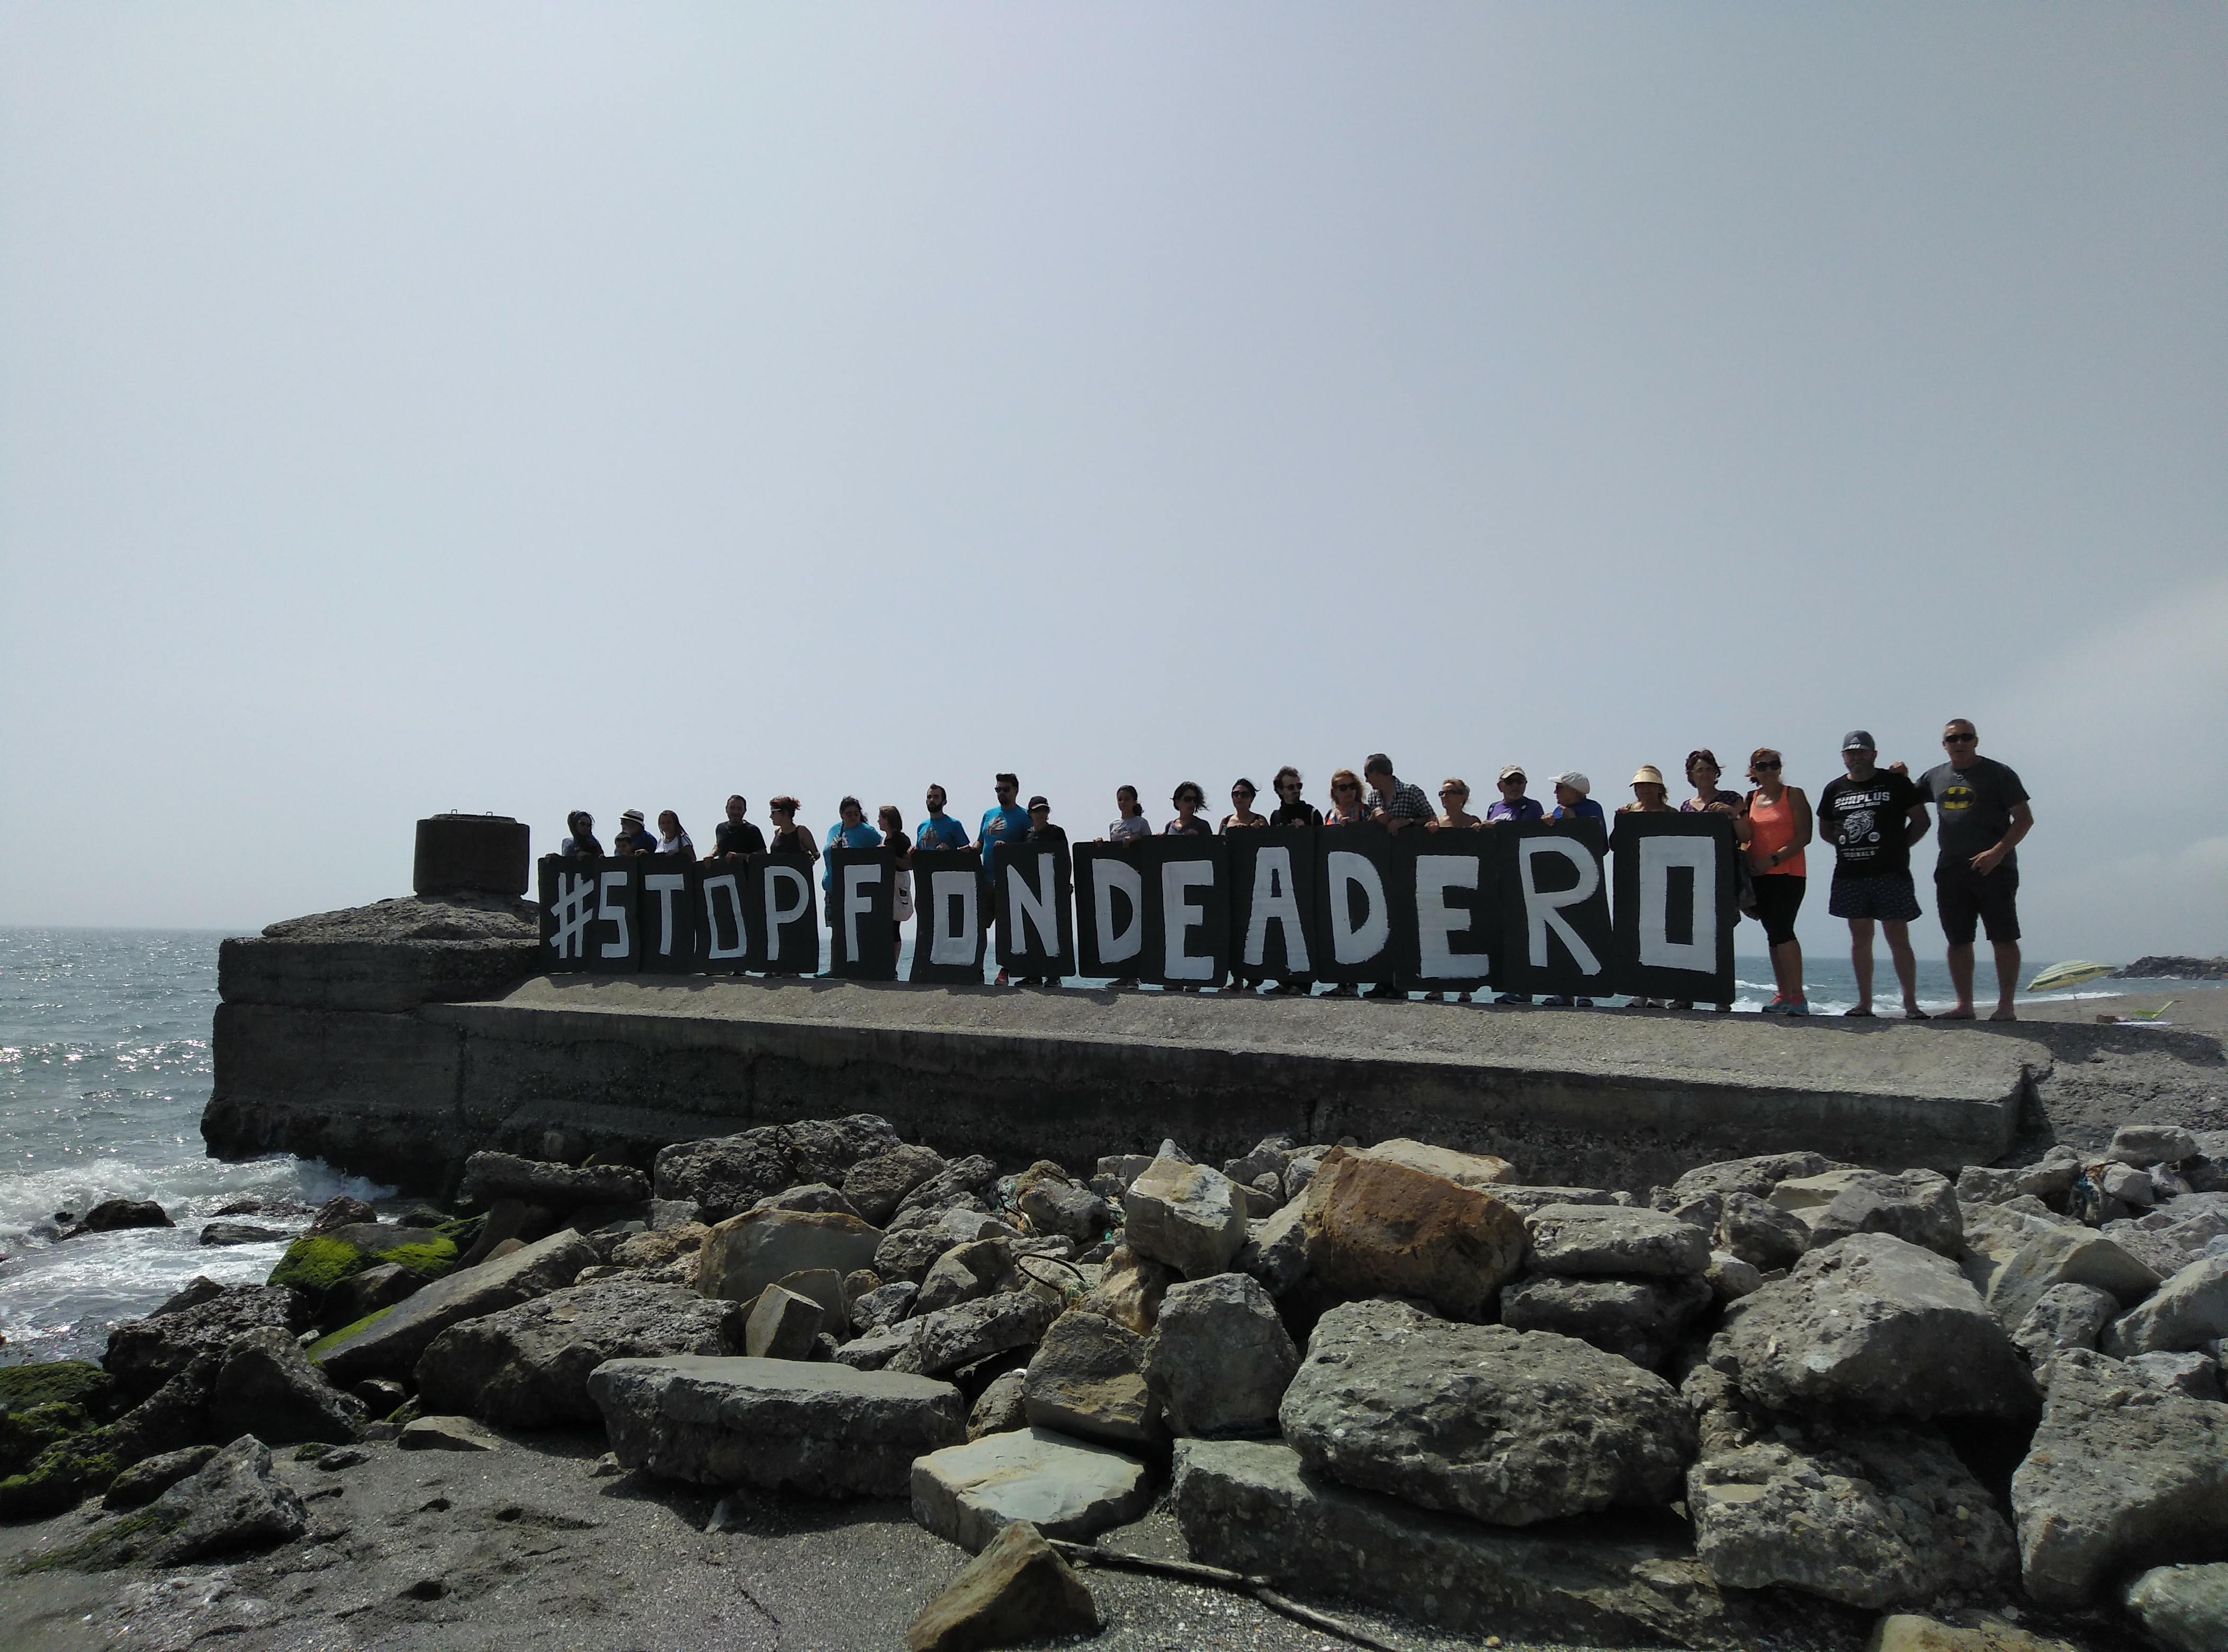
{"points": [[2127, 1185], [367, 1292], [960, 1178], [227, 1233], [446, 1434], [390, 1345], [817, 1197], [1757, 1175], [1759, 1232], [230, 1503], [526, 1366], [1300, 1170], [1269, 1158], [824, 1430], [2189, 1310], [878, 1347], [149, 1477], [999, 1409], [490, 1176], [1187, 1215], [1087, 1379], [965, 1272], [1017, 1591], [1872, 1517], [145, 1353], [2183, 1608], [726, 1174], [342, 1212], [2144, 1145], [824, 1287], [743, 1255], [1919, 1206], [267, 1387], [1253, 1507], [2197, 1375], [953, 1337], [1880, 1324], [782, 1325], [1527, 1197], [2167, 1239], [1275, 1250], [343, 1457], [114, 1216], [1219, 1359], [1508, 1426], [1614, 1240], [883, 1305], [1640, 1320], [908, 1253], [1729, 1278], [1064, 1487], [1055, 1206], [2066, 1256], [2066, 1316], [875, 1183]]}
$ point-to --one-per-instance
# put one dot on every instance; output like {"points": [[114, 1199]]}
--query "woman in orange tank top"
{"points": [[1779, 825]]}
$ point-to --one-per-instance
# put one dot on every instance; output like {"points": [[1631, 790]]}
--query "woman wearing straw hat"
{"points": [[1648, 798]]}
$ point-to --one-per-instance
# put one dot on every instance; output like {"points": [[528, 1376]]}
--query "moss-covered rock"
{"points": [[25, 1434], [331, 1339], [62, 1476], [56, 1382], [317, 1262]]}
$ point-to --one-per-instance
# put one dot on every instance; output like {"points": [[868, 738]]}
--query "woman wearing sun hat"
{"points": [[1648, 798]]}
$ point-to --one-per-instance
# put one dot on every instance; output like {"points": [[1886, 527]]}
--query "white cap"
{"points": [[1572, 778]]}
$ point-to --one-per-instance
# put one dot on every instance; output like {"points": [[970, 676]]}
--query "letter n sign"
{"points": [[1036, 920]]}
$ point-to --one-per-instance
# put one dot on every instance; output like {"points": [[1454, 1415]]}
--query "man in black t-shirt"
{"points": [[1872, 816], [734, 836], [1984, 816]]}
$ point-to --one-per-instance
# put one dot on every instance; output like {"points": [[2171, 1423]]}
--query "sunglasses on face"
{"points": [[1959, 739], [1763, 765]]}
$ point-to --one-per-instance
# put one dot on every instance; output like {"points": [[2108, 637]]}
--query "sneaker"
{"points": [[1384, 990], [1512, 998], [1585, 1003], [1344, 990], [1556, 1000], [1679, 1003], [1002, 981], [1796, 1007], [1777, 1007]]}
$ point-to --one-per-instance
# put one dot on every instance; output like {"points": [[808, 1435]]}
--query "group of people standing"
{"points": [[1869, 815]]}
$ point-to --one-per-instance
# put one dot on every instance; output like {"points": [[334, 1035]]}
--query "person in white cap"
{"points": [[1572, 802], [1514, 805]]}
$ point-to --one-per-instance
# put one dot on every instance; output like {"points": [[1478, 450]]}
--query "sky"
{"points": [[524, 408]]}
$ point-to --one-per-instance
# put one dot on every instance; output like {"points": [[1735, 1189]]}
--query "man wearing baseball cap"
{"points": [[1872, 816], [1572, 798], [1514, 805]]}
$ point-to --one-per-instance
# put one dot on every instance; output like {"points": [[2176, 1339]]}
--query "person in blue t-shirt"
{"points": [[851, 832], [939, 831], [1007, 823], [1572, 802]]}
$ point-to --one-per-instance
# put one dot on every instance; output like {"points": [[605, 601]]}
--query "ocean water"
{"points": [[104, 1070]]}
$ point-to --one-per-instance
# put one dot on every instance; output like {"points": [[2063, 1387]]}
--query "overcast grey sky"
{"points": [[517, 407]]}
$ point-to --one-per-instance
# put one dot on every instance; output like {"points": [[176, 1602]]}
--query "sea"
{"points": [[104, 1067]]}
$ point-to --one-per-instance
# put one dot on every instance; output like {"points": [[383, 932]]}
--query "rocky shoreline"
{"points": [[2173, 969], [1780, 1401]]}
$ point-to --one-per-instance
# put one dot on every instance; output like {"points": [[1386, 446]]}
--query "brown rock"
{"points": [[1129, 1292], [1018, 1590], [1377, 1227]]}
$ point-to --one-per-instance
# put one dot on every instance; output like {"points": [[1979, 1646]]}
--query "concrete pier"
{"points": [[1605, 1098]]}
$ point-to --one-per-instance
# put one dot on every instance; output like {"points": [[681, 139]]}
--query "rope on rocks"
{"points": [[1221, 1577]]}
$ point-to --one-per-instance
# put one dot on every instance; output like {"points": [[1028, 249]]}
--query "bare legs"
{"points": [[1906, 962], [1960, 978]]}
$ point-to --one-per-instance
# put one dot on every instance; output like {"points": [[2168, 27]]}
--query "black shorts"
{"points": [[1778, 898], [1963, 898], [1885, 895]]}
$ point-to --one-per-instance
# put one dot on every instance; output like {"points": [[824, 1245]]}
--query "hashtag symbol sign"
{"points": [[574, 911]]}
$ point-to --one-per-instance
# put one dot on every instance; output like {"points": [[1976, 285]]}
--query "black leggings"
{"points": [[1778, 898]]}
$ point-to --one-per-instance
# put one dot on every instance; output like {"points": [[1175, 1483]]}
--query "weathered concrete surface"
{"points": [[569, 1063]]}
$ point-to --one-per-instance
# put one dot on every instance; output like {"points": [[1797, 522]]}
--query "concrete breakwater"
{"points": [[395, 1039]]}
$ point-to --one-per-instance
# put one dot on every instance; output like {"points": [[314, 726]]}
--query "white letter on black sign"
{"points": [[574, 910], [778, 915], [667, 885], [616, 914], [950, 892], [1543, 912], [1657, 950], [1112, 875], [856, 882], [1352, 944], [1179, 914], [1033, 907], [726, 884], [1436, 920], [1275, 903]]}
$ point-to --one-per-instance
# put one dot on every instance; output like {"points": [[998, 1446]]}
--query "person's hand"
{"points": [[1899, 768], [1989, 859]]}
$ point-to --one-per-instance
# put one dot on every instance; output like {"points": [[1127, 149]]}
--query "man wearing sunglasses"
{"points": [[1984, 814]]}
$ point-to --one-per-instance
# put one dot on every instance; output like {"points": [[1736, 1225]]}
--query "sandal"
{"points": [[1867, 1014]]}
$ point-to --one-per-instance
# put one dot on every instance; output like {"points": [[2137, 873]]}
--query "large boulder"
{"points": [[960, 1181], [388, 1343], [978, 1268], [2189, 1311], [267, 1387], [1504, 1426], [2061, 1256], [232, 1502], [1254, 1506], [1087, 1378], [1627, 1242], [1758, 1177], [2144, 1145], [2067, 1317], [1919, 1206], [1882, 1325], [113, 1215], [1464, 1170], [877, 1183], [1642, 1320], [729, 1174], [1017, 1591], [1760, 1233], [953, 1337], [743, 1255], [2121, 1475], [2183, 1608], [526, 1366], [2167, 1239], [490, 1175], [968, 1493], [1219, 1359], [1377, 1227], [145, 1353], [782, 1325], [318, 1261], [1187, 1215], [1055, 1204], [824, 1430]]}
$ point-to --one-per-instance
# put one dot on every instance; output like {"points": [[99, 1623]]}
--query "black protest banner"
{"points": [[1274, 928], [1676, 907], [861, 898], [1555, 931], [1188, 906], [1360, 905], [589, 916], [730, 915], [791, 923], [1450, 929], [567, 899], [1112, 916], [948, 931], [668, 910], [1036, 917]]}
